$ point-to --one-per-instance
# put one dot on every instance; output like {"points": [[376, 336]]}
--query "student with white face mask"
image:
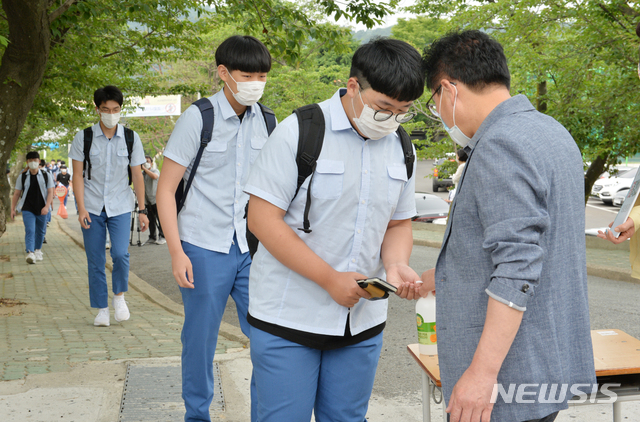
{"points": [[33, 196], [103, 172], [151, 174], [207, 239]]}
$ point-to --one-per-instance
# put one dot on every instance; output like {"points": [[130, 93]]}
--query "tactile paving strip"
{"points": [[154, 394]]}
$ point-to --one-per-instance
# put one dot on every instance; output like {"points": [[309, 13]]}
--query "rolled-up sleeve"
{"points": [[512, 205]]}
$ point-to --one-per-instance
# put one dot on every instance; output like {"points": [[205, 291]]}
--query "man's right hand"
{"points": [[345, 291], [84, 218], [13, 213], [182, 270]]}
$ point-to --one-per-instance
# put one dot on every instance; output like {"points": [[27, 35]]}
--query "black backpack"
{"points": [[206, 110], [24, 179], [88, 140], [310, 139]]}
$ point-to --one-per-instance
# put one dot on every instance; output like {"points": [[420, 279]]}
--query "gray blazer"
{"points": [[516, 234]]}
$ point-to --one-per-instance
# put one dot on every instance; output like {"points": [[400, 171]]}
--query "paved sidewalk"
{"points": [[50, 328]]}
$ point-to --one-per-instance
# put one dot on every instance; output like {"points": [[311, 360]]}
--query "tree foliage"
{"points": [[575, 60]]}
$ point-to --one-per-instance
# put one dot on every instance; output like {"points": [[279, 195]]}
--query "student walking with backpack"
{"points": [[315, 336], [213, 147], [106, 159], [33, 196]]}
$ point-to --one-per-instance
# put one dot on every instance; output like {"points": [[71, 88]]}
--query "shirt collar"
{"points": [[225, 107], [513, 105], [97, 130], [339, 119]]}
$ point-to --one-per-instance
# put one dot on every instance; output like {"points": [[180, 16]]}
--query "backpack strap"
{"points": [[86, 164], [128, 138], [269, 117], [407, 150], [46, 177], [311, 128], [206, 110]]}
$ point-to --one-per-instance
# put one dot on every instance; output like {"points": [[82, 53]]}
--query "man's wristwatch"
{"points": [[144, 211]]}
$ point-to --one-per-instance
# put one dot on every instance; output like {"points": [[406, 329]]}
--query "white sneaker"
{"points": [[120, 306], [31, 258], [38, 254], [102, 319], [161, 241]]}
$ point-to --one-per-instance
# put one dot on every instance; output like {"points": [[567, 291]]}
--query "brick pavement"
{"points": [[53, 330]]}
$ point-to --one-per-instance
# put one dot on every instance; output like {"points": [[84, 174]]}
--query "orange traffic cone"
{"points": [[61, 193]]}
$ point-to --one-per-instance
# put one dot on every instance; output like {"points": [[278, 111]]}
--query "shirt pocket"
{"points": [[397, 178], [328, 179], [256, 146], [95, 155], [214, 155]]}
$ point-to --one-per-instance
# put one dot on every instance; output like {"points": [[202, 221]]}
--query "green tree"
{"points": [[575, 61], [56, 52]]}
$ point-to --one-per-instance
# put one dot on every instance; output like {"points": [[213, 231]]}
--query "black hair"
{"points": [[390, 67], [462, 155], [108, 93], [149, 157], [471, 57], [43, 163], [244, 53], [63, 162], [63, 167], [32, 154]]}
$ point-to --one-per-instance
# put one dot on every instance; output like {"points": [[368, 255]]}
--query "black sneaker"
{"points": [[44, 240]]}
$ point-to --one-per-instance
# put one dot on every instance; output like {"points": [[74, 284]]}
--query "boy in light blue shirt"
{"points": [[315, 338], [207, 239]]}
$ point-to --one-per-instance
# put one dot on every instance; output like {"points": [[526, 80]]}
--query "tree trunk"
{"points": [[541, 105], [595, 170], [23, 65]]}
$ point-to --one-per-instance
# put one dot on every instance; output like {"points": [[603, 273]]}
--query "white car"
{"points": [[430, 208], [606, 188]]}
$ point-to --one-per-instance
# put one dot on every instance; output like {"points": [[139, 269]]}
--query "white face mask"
{"points": [[455, 133], [370, 127], [248, 92], [147, 165], [110, 120], [33, 165], [64, 171]]}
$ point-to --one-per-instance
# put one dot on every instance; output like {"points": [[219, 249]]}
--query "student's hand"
{"points": [[144, 222], [471, 397], [404, 278], [83, 218], [13, 213], [45, 210], [182, 270], [428, 282], [344, 289], [626, 230]]}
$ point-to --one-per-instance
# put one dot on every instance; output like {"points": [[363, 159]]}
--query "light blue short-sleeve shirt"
{"points": [[358, 187], [214, 208], [109, 184]]}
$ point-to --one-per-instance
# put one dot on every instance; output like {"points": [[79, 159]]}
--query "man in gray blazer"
{"points": [[511, 277]]}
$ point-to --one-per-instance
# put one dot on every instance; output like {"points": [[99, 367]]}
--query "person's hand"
{"points": [[182, 270], [471, 397], [626, 230], [144, 222], [83, 218], [404, 278], [344, 289], [428, 279], [13, 213], [44, 210]]}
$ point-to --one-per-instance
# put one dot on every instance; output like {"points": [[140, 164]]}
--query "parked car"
{"points": [[619, 198], [430, 207], [606, 188]]}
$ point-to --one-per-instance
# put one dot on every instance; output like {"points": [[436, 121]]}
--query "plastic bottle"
{"points": [[426, 319]]}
